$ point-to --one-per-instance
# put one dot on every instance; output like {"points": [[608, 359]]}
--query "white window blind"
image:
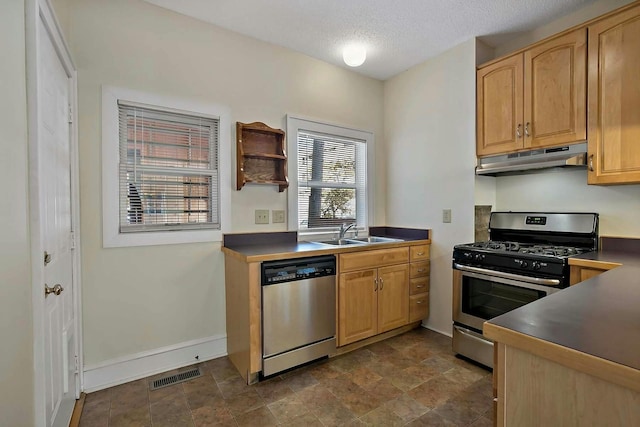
{"points": [[331, 180], [168, 169]]}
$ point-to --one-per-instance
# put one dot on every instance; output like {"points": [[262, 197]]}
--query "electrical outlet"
{"points": [[278, 216], [446, 215], [262, 216]]}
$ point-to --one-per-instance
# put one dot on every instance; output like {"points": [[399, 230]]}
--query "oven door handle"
{"points": [[533, 280]]}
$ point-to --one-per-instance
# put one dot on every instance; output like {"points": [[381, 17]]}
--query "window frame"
{"points": [[112, 237], [298, 123]]}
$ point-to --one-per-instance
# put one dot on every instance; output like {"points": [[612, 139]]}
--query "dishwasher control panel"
{"points": [[298, 269]]}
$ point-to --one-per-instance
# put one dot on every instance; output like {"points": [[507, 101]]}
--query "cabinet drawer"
{"points": [[420, 269], [418, 307], [419, 285], [373, 259], [419, 252]]}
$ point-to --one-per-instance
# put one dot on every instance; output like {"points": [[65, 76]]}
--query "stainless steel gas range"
{"points": [[525, 259]]}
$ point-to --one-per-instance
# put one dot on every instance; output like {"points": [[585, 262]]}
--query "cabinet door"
{"points": [[393, 297], [357, 306], [555, 91], [499, 109], [614, 99]]}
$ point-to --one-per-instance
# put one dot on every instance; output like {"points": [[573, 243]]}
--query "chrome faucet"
{"points": [[344, 228]]}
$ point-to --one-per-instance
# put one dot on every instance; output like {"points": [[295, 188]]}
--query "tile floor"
{"points": [[413, 379]]}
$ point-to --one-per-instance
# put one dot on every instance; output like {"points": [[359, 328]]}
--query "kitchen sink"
{"points": [[360, 241], [375, 239], [341, 242]]}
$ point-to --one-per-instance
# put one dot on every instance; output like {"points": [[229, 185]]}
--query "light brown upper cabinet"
{"points": [[534, 99], [614, 99]]}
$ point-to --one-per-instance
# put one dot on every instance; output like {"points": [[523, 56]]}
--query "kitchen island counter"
{"points": [[576, 345]]}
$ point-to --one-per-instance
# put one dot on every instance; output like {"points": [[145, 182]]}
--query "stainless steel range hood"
{"points": [[574, 155]]}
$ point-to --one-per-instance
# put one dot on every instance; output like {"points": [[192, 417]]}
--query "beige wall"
{"points": [[16, 348], [430, 132], [142, 298]]}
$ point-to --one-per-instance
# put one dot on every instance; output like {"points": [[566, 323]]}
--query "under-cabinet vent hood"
{"points": [[542, 158]]}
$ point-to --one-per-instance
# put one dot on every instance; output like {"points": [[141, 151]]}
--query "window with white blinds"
{"points": [[331, 170], [168, 169]]}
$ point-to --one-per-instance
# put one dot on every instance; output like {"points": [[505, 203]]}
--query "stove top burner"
{"points": [[525, 248]]}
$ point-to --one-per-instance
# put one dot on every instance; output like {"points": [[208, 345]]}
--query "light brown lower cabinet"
{"points": [[419, 291], [580, 274], [535, 391], [372, 301], [381, 290]]}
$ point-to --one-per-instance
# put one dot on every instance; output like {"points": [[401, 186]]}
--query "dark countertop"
{"points": [[257, 247], [599, 317]]}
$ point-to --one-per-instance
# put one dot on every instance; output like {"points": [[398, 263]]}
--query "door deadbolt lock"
{"points": [[56, 290], [47, 258]]}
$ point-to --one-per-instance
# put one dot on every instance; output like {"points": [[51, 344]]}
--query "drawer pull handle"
{"points": [[419, 286], [420, 253], [419, 302], [420, 270]]}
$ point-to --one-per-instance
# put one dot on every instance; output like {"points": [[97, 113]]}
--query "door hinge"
{"points": [[72, 240], [70, 114], [77, 368]]}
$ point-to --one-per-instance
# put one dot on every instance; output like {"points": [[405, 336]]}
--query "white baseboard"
{"points": [[129, 368]]}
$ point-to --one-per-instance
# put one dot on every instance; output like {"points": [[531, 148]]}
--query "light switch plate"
{"points": [[262, 216], [446, 215], [278, 216]]}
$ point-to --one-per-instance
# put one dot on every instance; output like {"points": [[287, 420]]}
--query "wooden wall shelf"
{"points": [[262, 158]]}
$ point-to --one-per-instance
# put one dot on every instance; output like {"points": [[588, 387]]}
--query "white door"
{"points": [[54, 153]]}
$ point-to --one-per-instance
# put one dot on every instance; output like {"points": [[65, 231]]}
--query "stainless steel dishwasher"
{"points": [[298, 312]]}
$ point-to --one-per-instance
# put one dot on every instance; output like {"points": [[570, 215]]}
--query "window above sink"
{"points": [[331, 166]]}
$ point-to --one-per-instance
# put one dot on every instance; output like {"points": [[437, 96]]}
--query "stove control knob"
{"points": [[524, 264], [535, 265], [479, 257]]}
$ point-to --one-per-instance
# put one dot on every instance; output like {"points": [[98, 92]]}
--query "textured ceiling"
{"points": [[397, 33]]}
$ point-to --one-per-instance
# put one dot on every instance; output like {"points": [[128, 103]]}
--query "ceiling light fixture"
{"points": [[354, 55]]}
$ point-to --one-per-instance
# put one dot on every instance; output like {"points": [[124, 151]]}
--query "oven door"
{"points": [[480, 295]]}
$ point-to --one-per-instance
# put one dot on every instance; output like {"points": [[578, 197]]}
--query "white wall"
{"points": [[139, 299], [16, 336], [567, 190], [429, 130]]}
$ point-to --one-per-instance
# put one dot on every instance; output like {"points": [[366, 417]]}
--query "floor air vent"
{"points": [[175, 379]]}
